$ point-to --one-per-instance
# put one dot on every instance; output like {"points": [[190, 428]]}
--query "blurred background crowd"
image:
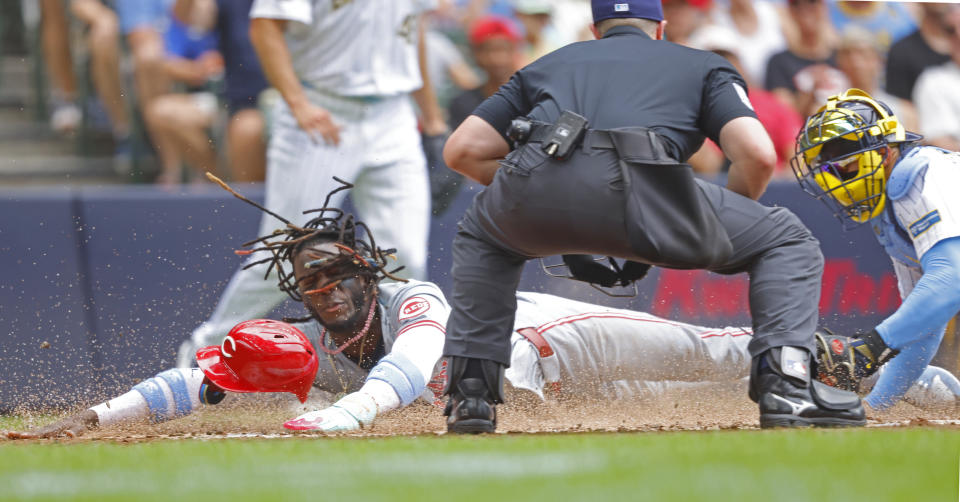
{"points": [[159, 91]]}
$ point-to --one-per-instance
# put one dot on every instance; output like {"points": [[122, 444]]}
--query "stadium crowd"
{"points": [[185, 70]]}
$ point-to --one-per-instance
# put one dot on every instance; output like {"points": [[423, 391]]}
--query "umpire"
{"points": [[600, 131]]}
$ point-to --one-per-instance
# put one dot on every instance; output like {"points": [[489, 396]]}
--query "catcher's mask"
{"points": [[261, 355], [840, 154]]}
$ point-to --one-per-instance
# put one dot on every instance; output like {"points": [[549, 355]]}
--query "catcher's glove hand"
{"points": [[844, 361], [836, 361]]}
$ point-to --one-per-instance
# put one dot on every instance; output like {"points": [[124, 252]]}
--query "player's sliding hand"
{"points": [[69, 427], [317, 122], [351, 413], [331, 419]]}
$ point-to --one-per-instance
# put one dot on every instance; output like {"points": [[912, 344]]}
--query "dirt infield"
{"points": [[714, 408]]}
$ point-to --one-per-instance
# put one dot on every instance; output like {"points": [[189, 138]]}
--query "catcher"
{"points": [[856, 156], [378, 344]]}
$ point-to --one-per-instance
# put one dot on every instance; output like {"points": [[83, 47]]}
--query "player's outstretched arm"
{"points": [[400, 377], [171, 394], [73, 426]]}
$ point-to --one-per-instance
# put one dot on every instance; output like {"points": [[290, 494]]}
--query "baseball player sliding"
{"points": [[346, 70], [379, 345], [855, 155]]}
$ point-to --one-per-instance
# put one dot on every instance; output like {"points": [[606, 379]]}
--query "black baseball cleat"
{"points": [[780, 383], [470, 410], [475, 387]]}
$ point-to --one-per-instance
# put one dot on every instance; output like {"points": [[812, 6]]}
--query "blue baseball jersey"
{"points": [[922, 211]]}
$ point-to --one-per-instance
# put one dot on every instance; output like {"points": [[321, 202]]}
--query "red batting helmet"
{"points": [[261, 355]]}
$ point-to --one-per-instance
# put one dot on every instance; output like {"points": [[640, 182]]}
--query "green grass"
{"points": [[786, 465]]}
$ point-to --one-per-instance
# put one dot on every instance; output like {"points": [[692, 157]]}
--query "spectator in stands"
{"points": [[572, 21], [937, 93], [757, 26], [928, 46], [888, 22], [805, 74], [449, 72], [495, 44], [779, 120], [143, 23], [538, 32], [860, 60], [684, 18], [55, 41], [103, 41], [187, 119], [178, 122], [244, 83]]}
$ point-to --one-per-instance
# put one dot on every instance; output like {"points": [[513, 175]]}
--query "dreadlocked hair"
{"points": [[330, 224]]}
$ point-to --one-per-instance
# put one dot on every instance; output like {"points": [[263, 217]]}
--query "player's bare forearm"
{"points": [[266, 35], [426, 97], [474, 150]]}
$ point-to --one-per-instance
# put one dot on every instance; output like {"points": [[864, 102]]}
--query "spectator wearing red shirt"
{"points": [[781, 122]]}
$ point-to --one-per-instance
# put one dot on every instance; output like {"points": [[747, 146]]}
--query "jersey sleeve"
{"points": [[724, 97], [419, 312], [930, 210], [288, 10], [505, 105]]}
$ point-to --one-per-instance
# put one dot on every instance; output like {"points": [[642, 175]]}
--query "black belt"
{"points": [[643, 142]]}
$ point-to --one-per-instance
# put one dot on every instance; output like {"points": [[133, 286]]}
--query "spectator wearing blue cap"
{"points": [[584, 153]]}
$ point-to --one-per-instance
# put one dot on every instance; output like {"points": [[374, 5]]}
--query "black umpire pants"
{"points": [[537, 206]]}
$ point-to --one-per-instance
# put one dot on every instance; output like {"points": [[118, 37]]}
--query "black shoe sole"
{"points": [[472, 426], [771, 421]]}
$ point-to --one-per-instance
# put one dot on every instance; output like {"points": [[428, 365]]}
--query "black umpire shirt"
{"points": [[627, 79]]}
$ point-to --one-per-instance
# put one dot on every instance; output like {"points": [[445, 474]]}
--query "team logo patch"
{"points": [[836, 346], [923, 224], [413, 307], [621, 7]]}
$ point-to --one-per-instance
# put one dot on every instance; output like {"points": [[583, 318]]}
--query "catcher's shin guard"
{"points": [[475, 387], [843, 362], [780, 383]]}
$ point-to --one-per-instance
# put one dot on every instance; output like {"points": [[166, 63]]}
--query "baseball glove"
{"points": [[844, 361], [836, 361]]}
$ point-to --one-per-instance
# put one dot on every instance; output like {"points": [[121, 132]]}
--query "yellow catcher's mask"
{"points": [[840, 154]]}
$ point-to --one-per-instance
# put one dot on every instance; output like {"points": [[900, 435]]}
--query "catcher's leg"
{"points": [[477, 344]]}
